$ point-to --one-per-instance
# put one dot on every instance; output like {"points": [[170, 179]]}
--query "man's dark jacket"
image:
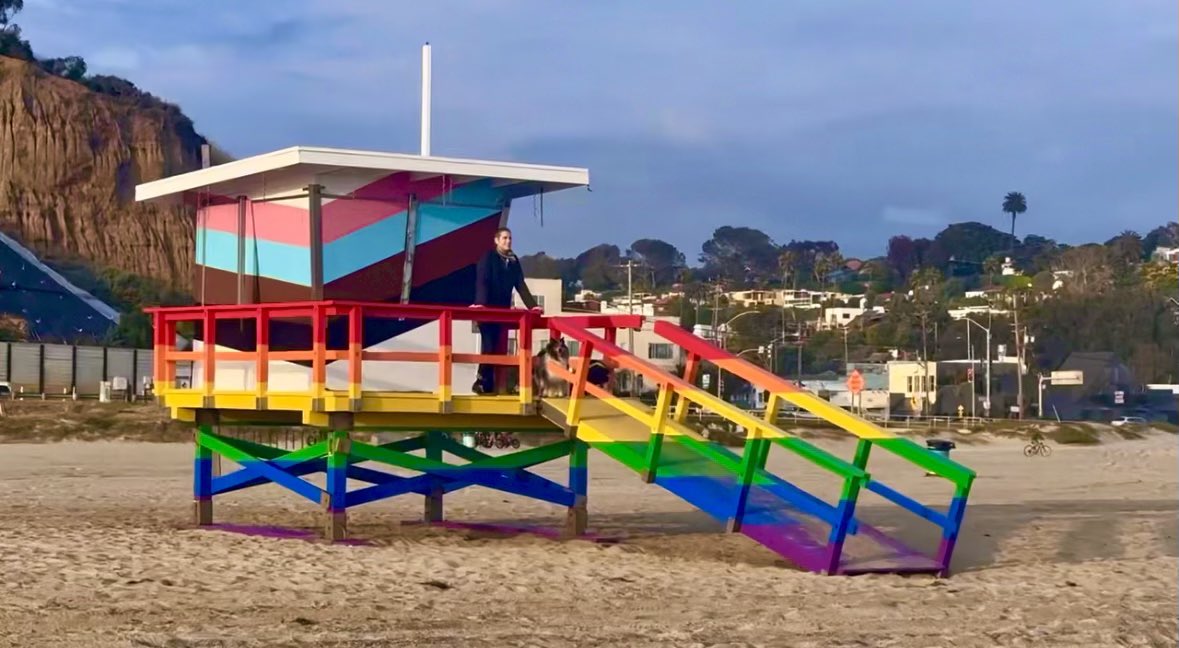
{"points": [[496, 276]]}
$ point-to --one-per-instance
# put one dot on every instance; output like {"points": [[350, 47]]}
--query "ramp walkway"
{"points": [[736, 489]]}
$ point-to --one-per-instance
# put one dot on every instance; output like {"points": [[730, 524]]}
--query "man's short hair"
{"points": [[501, 230]]}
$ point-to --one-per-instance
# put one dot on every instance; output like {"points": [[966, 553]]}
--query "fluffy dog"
{"points": [[546, 384]]}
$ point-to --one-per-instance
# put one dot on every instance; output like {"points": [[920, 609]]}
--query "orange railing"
{"points": [[318, 314]]}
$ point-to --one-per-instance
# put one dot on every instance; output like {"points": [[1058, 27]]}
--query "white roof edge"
{"points": [[217, 174], [317, 156]]}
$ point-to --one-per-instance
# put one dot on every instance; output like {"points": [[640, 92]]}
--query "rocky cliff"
{"points": [[69, 162]]}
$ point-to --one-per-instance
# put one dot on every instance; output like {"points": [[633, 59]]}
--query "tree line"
{"points": [[743, 257], [1107, 296]]}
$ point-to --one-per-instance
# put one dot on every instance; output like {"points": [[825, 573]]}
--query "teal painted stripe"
{"points": [[290, 263], [470, 203]]}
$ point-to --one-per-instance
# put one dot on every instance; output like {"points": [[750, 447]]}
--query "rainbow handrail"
{"points": [[788, 391], [760, 432], [868, 433], [671, 385], [318, 313]]}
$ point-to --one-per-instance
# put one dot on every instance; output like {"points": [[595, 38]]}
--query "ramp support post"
{"points": [[752, 460], [658, 421], [957, 511], [577, 516], [334, 499], [691, 371], [433, 512], [863, 449], [577, 391], [845, 512]]}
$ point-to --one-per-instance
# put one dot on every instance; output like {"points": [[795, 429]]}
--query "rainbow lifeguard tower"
{"points": [[333, 291]]}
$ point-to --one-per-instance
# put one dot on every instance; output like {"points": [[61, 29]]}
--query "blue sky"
{"points": [[808, 119]]}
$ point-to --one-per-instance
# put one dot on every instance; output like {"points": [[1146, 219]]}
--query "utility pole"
{"points": [[1018, 354], [969, 321], [716, 337], [798, 331], [970, 359], [845, 357], [925, 365], [630, 302], [630, 310]]}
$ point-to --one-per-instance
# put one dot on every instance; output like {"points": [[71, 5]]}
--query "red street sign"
{"points": [[855, 382]]}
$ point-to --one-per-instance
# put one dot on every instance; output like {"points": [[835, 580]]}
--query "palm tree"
{"points": [[821, 269], [788, 264], [1014, 203]]}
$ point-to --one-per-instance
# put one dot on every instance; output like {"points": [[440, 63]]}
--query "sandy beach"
{"points": [[96, 549]]}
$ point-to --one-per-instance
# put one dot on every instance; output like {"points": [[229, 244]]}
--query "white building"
{"points": [[974, 311], [915, 379], [754, 298], [1168, 254], [647, 345], [842, 316], [622, 307]]}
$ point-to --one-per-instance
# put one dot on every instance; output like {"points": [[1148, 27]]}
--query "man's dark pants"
{"points": [[492, 341]]}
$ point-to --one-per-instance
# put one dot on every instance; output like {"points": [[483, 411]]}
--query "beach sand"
{"points": [[97, 549]]}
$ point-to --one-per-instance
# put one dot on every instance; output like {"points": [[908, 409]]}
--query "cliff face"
{"points": [[69, 162]]}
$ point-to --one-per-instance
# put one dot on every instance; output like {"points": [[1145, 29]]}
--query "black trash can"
{"points": [[940, 446]]}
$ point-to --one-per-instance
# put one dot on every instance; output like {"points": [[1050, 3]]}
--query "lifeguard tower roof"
{"points": [[323, 223], [299, 164]]}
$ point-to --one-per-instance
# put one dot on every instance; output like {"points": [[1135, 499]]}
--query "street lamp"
{"points": [[987, 404], [726, 325], [724, 344]]}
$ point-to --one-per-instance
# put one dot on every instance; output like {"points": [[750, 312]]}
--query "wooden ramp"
{"points": [[777, 514]]}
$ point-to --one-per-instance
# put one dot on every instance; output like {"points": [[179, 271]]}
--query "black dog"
{"points": [[599, 373]]}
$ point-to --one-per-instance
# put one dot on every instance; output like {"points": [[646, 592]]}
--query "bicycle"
{"points": [[496, 439], [1037, 447]]}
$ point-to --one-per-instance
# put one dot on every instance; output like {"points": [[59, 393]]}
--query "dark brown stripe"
{"points": [[220, 287], [433, 260]]}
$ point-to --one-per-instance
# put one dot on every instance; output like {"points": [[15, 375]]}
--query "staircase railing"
{"points": [[869, 434], [256, 321], [759, 431]]}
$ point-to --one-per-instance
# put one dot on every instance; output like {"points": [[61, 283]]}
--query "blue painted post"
{"points": [[753, 459], [202, 482], [433, 512], [845, 512], [577, 516], [334, 500], [950, 533]]}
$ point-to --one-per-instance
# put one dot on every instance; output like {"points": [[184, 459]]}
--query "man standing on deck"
{"points": [[496, 276]]}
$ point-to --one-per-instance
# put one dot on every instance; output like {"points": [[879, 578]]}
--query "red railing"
{"points": [[317, 314]]}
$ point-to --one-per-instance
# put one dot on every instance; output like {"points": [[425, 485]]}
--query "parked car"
{"points": [[1128, 420]]}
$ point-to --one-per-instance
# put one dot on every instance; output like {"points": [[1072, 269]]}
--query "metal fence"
{"points": [[61, 369]]}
